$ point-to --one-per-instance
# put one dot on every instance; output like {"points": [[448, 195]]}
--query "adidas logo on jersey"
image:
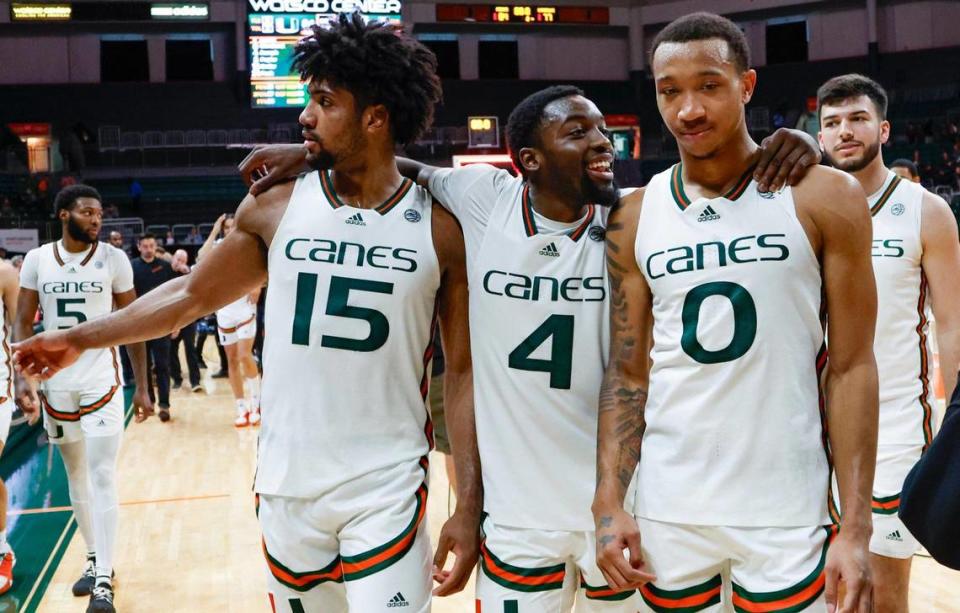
{"points": [[550, 251], [356, 219], [708, 214], [398, 601], [895, 536]]}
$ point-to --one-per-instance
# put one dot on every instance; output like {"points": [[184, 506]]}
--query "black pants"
{"points": [[202, 338], [187, 337], [158, 359]]}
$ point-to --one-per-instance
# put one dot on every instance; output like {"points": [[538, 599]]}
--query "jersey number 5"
{"points": [[560, 364], [62, 304], [337, 306]]}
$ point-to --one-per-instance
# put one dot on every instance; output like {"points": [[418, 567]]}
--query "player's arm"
{"points": [[28, 301], [785, 157], [941, 267], [211, 241], [838, 208], [10, 286], [623, 397], [138, 361], [235, 268], [461, 533], [416, 171]]}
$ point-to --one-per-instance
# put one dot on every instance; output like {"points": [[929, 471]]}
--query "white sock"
{"points": [[241, 406], [251, 388], [102, 455]]}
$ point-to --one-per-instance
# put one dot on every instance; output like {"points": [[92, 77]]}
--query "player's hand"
{"points": [[785, 157], [848, 560], [45, 354], [142, 404], [617, 531], [265, 166], [461, 535], [218, 224], [26, 398]]}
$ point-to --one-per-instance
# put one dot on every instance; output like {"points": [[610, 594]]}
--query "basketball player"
{"points": [[732, 282], [9, 287], [905, 169], [237, 328], [73, 280], [535, 254], [361, 265], [916, 261]]}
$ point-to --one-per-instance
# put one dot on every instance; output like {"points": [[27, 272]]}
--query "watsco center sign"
{"points": [[275, 26]]}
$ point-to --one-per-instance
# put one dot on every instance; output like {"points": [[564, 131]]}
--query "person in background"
{"points": [[187, 334], [17, 261], [116, 239], [193, 238], [905, 169], [170, 240], [150, 271]]}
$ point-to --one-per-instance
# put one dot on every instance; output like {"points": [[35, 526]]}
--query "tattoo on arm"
{"points": [[605, 540]]}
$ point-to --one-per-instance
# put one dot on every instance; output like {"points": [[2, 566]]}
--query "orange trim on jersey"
{"points": [[238, 326], [56, 254], [493, 565], [811, 591], [924, 375], [85, 409], [695, 600], [326, 184], [395, 199], [885, 196], [93, 250], [741, 186], [9, 361], [884, 506], [526, 209], [582, 228]]}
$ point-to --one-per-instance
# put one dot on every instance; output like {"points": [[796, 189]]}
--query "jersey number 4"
{"points": [[337, 299], [560, 364]]}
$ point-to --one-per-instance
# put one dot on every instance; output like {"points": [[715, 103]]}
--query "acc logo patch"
{"points": [[411, 215], [98, 264], [597, 233], [897, 209]]}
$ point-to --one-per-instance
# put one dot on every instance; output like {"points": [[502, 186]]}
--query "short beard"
{"points": [[604, 196], [855, 165], [77, 233], [321, 161]]}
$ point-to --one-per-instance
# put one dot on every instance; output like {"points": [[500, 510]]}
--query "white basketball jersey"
{"points": [[74, 288], [238, 311], [902, 344], [734, 434], [349, 317], [539, 339]]}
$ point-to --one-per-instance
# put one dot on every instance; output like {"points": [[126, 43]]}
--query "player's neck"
{"points": [[872, 176], [72, 245], [368, 183], [555, 206], [710, 177]]}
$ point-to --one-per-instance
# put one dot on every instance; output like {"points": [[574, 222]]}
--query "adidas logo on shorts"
{"points": [[895, 536], [550, 251], [356, 219], [398, 601], [708, 214]]}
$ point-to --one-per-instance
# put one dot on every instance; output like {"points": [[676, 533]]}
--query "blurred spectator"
{"points": [[116, 239], [136, 193], [809, 122], [194, 237], [17, 261], [170, 240], [906, 169], [187, 335]]}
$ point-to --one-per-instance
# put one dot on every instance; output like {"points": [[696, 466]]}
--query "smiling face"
{"points": [[701, 94], [851, 133], [331, 124], [574, 155]]}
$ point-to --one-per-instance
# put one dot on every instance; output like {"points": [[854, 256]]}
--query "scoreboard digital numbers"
{"points": [[524, 14], [275, 26]]}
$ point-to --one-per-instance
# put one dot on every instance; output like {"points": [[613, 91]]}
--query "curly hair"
{"points": [[524, 122], [704, 26], [378, 64], [69, 195]]}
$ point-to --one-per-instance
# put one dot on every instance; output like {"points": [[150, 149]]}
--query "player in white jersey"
{"points": [[361, 266], [916, 260], [539, 339], [9, 287], [728, 284], [72, 280], [237, 327]]}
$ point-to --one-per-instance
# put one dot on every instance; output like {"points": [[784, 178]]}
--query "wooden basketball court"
{"points": [[188, 537]]}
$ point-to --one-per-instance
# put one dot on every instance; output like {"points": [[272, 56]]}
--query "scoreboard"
{"points": [[273, 29]]}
